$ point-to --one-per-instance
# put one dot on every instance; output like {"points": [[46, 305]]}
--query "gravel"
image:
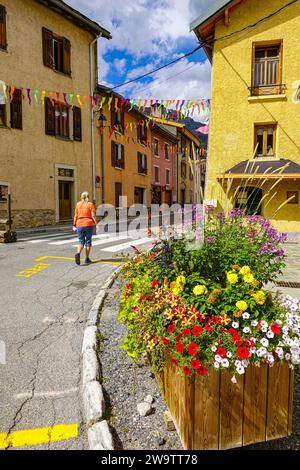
{"points": [[126, 386]]}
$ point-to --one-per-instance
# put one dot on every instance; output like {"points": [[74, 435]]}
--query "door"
{"points": [[118, 194], [65, 200], [168, 198], [249, 200]]}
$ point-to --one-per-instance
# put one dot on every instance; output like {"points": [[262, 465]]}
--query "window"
{"points": [[2, 115], [118, 194], [142, 133], [56, 119], [183, 169], [61, 120], [156, 174], [167, 151], [117, 155], [56, 52], [265, 140], [167, 176], [16, 110], [3, 44], [292, 197], [3, 193], [142, 163], [117, 119], [267, 69], [139, 194], [66, 172], [77, 126], [155, 145]]}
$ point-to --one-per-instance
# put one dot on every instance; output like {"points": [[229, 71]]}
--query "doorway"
{"points": [[249, 200], [65, 200]]}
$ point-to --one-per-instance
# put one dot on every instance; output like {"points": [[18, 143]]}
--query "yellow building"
{"points": [[46, 146], [254, 144]]}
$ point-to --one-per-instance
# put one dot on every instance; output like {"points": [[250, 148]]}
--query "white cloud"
{"points": [[120, 65]]}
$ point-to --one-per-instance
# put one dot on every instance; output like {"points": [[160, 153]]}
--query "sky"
{"points": [[147, 34]]}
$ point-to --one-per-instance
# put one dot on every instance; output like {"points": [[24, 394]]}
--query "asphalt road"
{"points": [[44, 302]]}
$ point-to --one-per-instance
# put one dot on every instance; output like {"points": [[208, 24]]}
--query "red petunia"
{"points": [[208, 327], [236, 338], [154, 283], [215, 320], [250, 343], [179, 337], [233, 332], [186, 332], [195, 363], [186, 370], [197, 330], [202, 370], [276, 329], [171, 329], [165, 341], [243, 352], [193, 349], [180, 347], [221, 352], [173, 361]]}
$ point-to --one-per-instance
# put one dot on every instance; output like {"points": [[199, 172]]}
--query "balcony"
{"points": [[267, 90]]}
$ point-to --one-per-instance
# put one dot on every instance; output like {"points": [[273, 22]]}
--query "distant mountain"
{"points": [[193, 125]]}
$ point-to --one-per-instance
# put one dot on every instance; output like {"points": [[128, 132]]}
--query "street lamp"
{"points": [[102, 120]]}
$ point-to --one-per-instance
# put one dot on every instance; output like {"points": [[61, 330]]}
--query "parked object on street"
{"points": [[7, 235], [84, 222]]}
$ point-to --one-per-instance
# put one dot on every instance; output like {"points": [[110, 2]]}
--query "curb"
{"points": [[99, 434]]}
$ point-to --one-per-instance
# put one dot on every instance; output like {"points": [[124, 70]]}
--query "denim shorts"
{"points": [[85, 235]]}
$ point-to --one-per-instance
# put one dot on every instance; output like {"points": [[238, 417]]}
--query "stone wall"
{"points": [[30, 218]]}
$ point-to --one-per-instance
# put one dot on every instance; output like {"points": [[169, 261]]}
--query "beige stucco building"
{"points": [[48, 52]]}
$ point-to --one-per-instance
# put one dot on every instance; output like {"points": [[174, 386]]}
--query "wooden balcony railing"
{"points": [[264, 90]]}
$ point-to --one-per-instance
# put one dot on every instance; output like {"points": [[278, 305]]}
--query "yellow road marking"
{"points": [[26, 273], [72, 259], [38, 436]]}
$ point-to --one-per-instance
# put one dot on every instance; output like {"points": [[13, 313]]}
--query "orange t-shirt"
{"points": [[84, 213]]}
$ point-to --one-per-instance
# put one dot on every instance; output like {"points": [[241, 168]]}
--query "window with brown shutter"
{"points": [[117, 119], [142, 163], [113, 154], [117, 155], [3, 41], [77, 126], [62, 120], [16, 110], [49, 117], [56, 52], [142, 133]]}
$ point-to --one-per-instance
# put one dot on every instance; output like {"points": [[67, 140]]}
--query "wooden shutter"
{"points": [[16, 110], [139, 158], [47, 47], [77, 125], [3, 44], [112, 116], [66, 56], [146, 165], [123, 157], [145, 135], [113, 154], [49, 117]]}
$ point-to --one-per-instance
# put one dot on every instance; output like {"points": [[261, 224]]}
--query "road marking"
{"points": [[57, 320], [72, 259], [116, 248], [103, 236], [32, 437], [26, 273], [21, 396], [110, 240], [40, 241]]}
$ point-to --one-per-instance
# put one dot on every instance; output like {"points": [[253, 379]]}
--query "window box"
{"points": [[267, 69]]}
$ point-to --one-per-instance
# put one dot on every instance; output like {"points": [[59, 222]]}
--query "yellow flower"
{"points": [[232, 277], [259, 297], [248, 278], [245, 270], [242, 305], [200, 290], [180, 280], [166, 282], [255, 283]]}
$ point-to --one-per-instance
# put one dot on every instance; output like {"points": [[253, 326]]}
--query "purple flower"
{"points": [[280, 253], [266, 249], [235, 213], [210, 240], [221, 216]]}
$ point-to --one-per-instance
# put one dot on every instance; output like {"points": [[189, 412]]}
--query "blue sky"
{"points": [[147, 34]]}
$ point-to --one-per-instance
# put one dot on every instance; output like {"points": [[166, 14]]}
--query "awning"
{"points": [[259, 169]]}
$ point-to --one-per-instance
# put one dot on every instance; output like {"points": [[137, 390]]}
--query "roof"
{"points": [[213, 10], [268, 168], [76, 17]]}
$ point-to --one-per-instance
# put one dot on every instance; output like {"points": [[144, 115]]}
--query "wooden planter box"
{"points": [[213, 413]]}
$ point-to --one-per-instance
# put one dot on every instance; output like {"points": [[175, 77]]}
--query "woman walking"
{"points": [[84, 222]]}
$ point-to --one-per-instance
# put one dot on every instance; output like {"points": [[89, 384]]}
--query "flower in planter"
{"points": [[202, 370], [197, 330], [243, 352], [186, 370], [195, 363], [259, 297], [200, 290], [241, 305], [193, 349], [232, 278]]}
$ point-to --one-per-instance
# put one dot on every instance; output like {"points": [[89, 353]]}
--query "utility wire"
{"points": [[200, 46]]}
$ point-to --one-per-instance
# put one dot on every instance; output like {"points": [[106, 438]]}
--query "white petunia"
{"points": [[235, 325], [287, 357], [270, 334], [213, 348], [233, 380], [254, 323], [246, 315], [264, 329], [247, 329], [225, 363], [218, 358], [264, 342], [216, 365], [240, 370], [229, 354]]}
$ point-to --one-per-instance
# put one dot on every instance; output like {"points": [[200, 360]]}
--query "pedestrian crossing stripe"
{"points": [[32, 437], [43, 258]]}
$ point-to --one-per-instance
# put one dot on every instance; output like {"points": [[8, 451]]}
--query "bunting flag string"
{"points": [[179, 108]]}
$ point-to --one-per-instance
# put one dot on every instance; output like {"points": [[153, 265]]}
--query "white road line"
{"points": [[109, 240], [40, 237], [22, 396], [123, 246], [103, 236], [40, 241]]}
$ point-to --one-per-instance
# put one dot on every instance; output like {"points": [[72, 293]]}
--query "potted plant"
{"points": [[222, 345]]}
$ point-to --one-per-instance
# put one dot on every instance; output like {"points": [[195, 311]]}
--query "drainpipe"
{"points": [[92, 88]]}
